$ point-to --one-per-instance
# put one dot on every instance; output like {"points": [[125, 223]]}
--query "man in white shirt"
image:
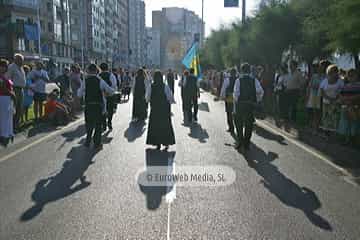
{"points": [[17, 75], [93, 89], [110, 79], [247, 92]]}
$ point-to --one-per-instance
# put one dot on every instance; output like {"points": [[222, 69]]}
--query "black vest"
{"points": [[106, 77], [247, 89], [191, 85], [93, 92]]}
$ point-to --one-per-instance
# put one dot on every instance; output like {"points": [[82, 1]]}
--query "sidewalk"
{"points": [[345, 157]]}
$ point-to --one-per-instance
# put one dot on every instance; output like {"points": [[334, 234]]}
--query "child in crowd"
{"points": [[28, 95], [56, 112], [312, 97], [349, 125]]}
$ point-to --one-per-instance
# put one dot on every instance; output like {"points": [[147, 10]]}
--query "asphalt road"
{"points": [[57, 189]]}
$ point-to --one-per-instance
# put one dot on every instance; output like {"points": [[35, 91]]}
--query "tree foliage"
{"points": [[307, 29]]}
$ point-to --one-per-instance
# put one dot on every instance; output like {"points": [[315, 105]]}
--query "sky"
{"points": [[214, 12]]}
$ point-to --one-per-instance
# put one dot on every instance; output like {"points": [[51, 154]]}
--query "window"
{"points": [[74, 36], [49, 6], [50, 27]]}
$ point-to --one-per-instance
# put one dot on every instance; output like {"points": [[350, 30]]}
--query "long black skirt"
{"points": [[160, 130], [139, 108]]}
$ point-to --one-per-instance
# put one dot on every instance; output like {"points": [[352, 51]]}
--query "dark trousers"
{"points": [[110, 106], [244, 122], [19, 94], [229, 108], [93, 119], [190, 103], [292, 98]]}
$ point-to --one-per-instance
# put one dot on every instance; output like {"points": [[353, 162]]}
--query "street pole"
{"points": [[202, 24], [243, 11], [39, 29], [81, 32]]}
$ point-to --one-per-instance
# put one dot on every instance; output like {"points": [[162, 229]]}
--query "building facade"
{"points": [[178, 28], [15, 15], [137, 33], [152, 48]]}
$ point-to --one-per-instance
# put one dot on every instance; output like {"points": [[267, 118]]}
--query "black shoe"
{"points": [[110, 127], [98, 147], [247, 147], [238, 146], [230, 130]]}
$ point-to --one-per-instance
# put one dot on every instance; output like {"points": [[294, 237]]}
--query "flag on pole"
{"points": [[231, 3], [192, 60]]}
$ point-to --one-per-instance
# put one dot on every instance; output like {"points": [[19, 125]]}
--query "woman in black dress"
{"points": [[139, 103], [160, 130]]}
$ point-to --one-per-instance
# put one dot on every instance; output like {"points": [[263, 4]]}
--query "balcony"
{"points": [[30, 4]]}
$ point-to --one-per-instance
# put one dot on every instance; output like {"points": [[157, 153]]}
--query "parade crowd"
{"points": [[332, 98], [329, 96]]}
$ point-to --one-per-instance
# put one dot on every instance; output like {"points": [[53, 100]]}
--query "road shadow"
{"points": [[204, 106], [269, 136], [41, 128], [156, 158], [72, 135], [134, 131], [197, 132], [286, 190], [63, 183]]}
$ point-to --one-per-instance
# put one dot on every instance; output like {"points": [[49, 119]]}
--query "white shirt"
{"points": [[331, 90], [282, 82], [168, 93], [225, 85], [104, 87], [259, 89], [16, 75], [39, 77]]}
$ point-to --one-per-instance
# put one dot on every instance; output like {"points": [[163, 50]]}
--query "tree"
{"points": [[343, 28]]}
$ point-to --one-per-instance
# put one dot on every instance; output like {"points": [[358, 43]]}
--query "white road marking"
{"points": [[170, 196], [302, 146], [56, 132]]}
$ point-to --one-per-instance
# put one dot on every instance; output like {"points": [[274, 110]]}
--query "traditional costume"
{"points": [[247, 92], [191, 93], [111, 81], [93, 88], [227, 92], [139, 102], [160, 130]]}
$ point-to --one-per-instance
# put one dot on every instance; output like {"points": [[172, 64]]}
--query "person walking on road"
{"points": [[170, 78], [141, 84], [191, 95], [227, 93], [110, 105], [247, 92], [93, 88], [181, 85], [160, 130]]}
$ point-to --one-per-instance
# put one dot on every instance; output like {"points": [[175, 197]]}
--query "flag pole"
{"points": [[243, 11]]}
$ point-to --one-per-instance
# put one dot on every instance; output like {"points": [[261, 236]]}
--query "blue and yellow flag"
{"points": [[192, 60]]}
